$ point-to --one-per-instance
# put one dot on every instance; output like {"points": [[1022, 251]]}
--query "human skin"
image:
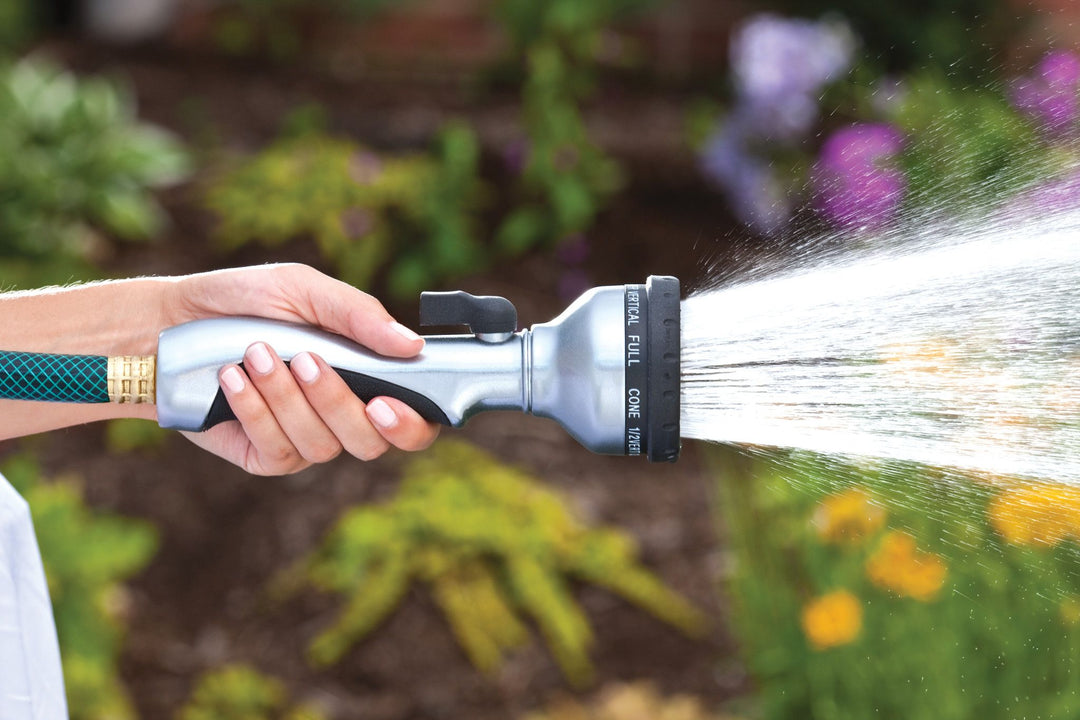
{"points": [[289, 417]]}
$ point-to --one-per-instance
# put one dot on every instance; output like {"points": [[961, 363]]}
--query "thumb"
{"points": [[343, 309]]}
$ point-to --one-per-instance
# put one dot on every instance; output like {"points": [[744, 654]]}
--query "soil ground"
{"points": [[224, 534]]}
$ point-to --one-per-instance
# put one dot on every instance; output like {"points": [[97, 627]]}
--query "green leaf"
{"points": [[129, 214], [521, 230]]}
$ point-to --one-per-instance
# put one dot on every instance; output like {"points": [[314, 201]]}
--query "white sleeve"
{"points": [[31, 681]]}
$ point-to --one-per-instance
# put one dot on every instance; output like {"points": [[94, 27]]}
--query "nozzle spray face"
{"points": [[663, 372]]}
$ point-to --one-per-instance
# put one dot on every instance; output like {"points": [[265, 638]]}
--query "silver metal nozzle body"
{"points": [[577, 370]]}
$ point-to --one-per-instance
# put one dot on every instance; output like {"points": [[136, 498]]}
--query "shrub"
{"points": [[74, 163], [239, 692], [409, 214], [86, 555], [566, 178], [270, 27], [900, 592], [490, 542]]}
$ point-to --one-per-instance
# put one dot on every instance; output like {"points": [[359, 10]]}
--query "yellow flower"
{"points": [[1069, 611], [898, 566], [848, 517], [1037, 514], [832, 619]]}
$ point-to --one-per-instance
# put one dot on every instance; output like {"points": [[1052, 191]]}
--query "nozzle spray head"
{"points": [[606, 369]]}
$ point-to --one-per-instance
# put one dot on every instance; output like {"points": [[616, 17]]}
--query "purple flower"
{"points": [[755, 194], [515, 155], [780, 66], [1049, 94], [855, 182]]}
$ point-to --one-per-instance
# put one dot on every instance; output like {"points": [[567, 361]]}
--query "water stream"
{"points": [[949, 345]]}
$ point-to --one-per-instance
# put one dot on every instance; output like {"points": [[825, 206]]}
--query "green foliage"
{"points": [[960, 622], [966, 146], [964, 37], [86, 555], [74, 162], [239, 692], [411, 214], [627, 701], [567, 178], [17, 23], [489, 541], [269, 27]]}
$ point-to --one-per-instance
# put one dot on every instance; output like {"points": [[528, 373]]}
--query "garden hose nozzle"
{"points": [[606, 369]]}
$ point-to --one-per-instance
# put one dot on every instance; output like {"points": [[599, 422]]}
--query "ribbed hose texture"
{"points": [[54, 378]]}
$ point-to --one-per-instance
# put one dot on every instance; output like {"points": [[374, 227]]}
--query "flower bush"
{"points": [[900, 592], [410, 216], [814, 129], [779, 68]]}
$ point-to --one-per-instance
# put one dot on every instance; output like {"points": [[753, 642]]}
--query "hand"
{"points": [[290, 417]]}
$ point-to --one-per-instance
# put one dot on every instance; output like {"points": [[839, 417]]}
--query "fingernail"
{"points": [[404, 332], [232, 379], [381, 414], [304, 367], [259, 358]]}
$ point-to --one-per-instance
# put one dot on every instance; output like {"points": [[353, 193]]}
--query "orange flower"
{"points": [[832, 619], [848, 517], [898, 566], [1036, 514]]}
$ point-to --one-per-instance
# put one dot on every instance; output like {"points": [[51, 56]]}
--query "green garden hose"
{"points": [[76, 378]]}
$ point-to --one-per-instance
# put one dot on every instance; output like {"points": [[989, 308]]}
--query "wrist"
{"points": [[120, 317]]}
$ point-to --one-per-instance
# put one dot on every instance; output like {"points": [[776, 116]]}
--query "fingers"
{"points": [[400, 424], [342, 411], [304, 413], [268, 450], [367, 431], [301, 424]]}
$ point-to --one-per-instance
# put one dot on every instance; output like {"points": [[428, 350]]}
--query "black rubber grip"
{"points": [[664, 348], [364, 386]]}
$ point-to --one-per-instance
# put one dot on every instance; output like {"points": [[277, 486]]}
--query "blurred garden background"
{"points": [[531, 149]]}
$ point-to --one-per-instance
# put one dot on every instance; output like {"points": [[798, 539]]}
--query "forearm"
{"points": [[111, 318]]}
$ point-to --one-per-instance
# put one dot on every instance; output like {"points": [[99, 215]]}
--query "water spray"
{"points": [[607, 369]]}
